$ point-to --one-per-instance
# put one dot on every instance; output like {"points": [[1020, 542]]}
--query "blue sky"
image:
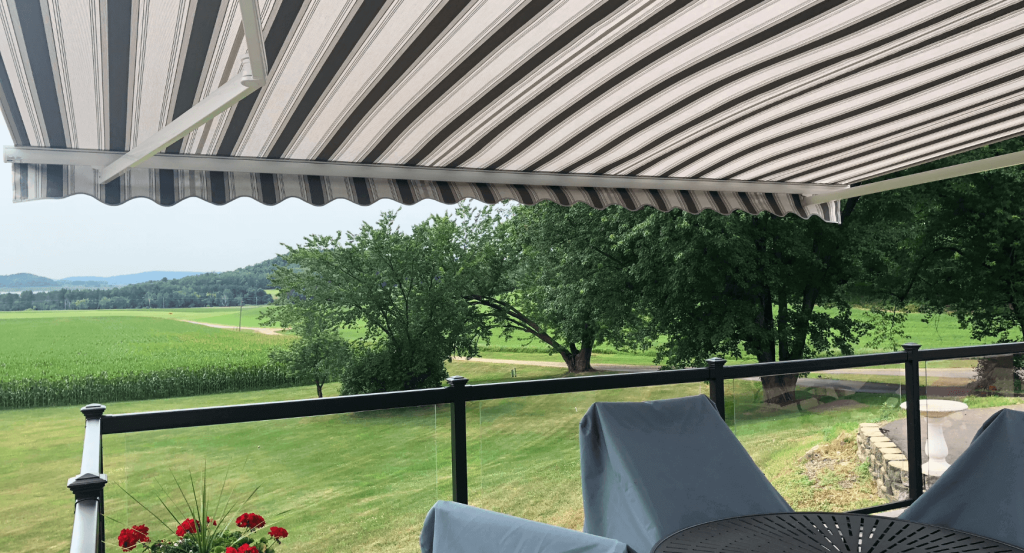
{"points": [[79, 236]]}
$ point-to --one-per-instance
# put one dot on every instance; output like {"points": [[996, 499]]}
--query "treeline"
{"points": [[246, 285], [685, 287]]}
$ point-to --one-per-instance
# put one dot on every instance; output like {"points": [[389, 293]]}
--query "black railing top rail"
{"points": [[206, 416], [252, 412]]}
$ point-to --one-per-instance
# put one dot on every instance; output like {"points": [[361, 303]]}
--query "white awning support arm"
{"points": [[254, 40], [253, 75], [970, 168]]}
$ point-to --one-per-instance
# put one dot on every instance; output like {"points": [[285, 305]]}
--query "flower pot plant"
{"points": [[201, 527]]}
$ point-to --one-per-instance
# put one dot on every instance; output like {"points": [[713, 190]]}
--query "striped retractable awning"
{"points": [[691, 104]]}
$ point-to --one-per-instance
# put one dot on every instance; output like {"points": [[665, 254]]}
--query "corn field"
{"points": [[49, 391], [70, 361]]}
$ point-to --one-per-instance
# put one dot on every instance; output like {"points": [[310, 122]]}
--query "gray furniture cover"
{"points": [[457, 528], [653, 468], [982, 492]]}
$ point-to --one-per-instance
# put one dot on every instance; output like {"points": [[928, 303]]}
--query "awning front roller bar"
{"points": [[774, 105], [97, 159], [812, 194]]}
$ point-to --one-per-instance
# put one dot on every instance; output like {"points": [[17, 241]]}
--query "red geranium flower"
{"points": [[276, 532], [244, 548], [188, 526], [250, 520], [211, 521], [130, 537]]}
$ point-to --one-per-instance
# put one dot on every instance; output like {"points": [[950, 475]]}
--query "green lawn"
{"points": [[941, 332], [363, 482]]}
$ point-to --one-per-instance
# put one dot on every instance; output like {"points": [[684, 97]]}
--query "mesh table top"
{"points": [[824, 532]]}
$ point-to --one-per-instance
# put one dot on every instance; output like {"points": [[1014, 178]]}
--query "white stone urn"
{"points": [[935, 410]]}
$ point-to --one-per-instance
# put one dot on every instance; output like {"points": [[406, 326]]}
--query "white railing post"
{"points": [[88, 533]]}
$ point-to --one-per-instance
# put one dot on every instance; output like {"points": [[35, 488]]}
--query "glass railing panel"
{"points": [[350, 482], [961, 395], [822, 438], [525, 451]]}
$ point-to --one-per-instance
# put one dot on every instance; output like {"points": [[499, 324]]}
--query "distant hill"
{"points": [[136, 278], [156, 289], [26, 281]]}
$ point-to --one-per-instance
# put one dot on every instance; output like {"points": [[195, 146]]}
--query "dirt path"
{"points": [[597, 366], [947, 373], [260, 329]]}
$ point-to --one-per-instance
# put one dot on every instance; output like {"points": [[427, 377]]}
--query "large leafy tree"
{"points": [[958, 245], [762, 285], [406, 290], [556, 278]]}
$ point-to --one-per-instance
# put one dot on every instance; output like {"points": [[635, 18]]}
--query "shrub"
{"points": [[373, 368]]}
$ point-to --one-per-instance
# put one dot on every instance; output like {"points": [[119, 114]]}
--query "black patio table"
{"points": [[824, 532]]}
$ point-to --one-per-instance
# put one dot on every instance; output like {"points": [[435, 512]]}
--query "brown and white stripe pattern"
{"points": [[821, 91]]}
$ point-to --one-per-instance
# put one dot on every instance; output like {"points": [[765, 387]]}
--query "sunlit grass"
{"points": [[363, 482]]}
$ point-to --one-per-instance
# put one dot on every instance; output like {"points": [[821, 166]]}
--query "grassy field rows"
{"points": [[24, 334], [50, 358], [31, 346]]}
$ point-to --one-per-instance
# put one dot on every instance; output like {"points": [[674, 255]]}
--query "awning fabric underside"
{"points": [[800, 91]]}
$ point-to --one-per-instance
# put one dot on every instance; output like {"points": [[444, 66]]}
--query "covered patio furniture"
{"points": [[457, 528], [653, 468], [982, 492]]}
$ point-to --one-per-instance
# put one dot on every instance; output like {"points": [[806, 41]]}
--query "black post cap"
{"points": [[93, 411], [87, 486], [716, 363], [911, 346], [457, 381]]}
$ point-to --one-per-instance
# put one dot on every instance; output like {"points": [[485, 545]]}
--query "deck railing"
{"points": [[88, 534]]}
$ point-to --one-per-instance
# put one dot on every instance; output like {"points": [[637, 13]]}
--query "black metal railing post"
{"points": [[460, 471], [716, 384], [912, 375]]}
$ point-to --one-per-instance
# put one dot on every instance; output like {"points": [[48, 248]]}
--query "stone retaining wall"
{"points": [[887, 463]]}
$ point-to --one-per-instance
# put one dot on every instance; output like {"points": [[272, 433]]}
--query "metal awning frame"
{"points": [[253, 75], [97, 159], [812, 193]]}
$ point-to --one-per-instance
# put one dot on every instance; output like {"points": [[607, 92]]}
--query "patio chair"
{"points": [[652, 468], [982, 492], [457, 528]]}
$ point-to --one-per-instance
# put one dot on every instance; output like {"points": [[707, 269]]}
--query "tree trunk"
{"points": [[779, 390], [319, 389], [579, 360], [995, 375]]}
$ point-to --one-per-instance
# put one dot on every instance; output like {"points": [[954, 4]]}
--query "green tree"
{"points": [[319, 353], [406, 290], [769, 287], [556, 278], [957, 246]]}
